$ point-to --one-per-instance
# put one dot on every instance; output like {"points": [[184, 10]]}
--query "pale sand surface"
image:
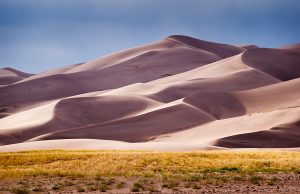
{"points": [[93, 144]]}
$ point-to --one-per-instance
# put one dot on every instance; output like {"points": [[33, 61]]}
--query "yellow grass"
{"points": [[143, 164]]}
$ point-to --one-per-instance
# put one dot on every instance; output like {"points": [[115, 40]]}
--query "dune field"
{"points": [[176, 94]]}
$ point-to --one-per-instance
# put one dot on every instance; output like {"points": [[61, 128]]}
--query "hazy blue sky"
{"points": [[37, 35]]}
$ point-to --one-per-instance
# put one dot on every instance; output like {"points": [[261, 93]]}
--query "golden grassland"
{"points": [[179, 165]]}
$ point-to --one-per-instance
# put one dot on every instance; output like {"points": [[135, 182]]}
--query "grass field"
{"points": [[184, 167]]}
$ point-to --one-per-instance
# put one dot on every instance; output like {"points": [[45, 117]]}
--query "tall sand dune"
{"points": [[140, 64]]}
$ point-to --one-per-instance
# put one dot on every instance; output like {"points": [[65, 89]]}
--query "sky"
{"points": [[38, 35]]}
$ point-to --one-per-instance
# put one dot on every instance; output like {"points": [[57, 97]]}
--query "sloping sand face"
{"points": [[180, 93]]}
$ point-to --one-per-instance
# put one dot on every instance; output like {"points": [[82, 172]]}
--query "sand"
{"points": [[179, 93]]}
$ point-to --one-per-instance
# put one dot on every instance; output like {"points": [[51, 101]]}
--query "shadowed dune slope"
{"points": [[139, 128], [284, 64], [221, 105], [222, 50], [10, 76], [280, 136]]}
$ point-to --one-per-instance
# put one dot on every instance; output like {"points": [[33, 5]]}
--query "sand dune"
{"points": [[86, 112], [272, 97], [281, 136], [179, 93], [222, 50], [248, 46], [225, 105], [264, 108], [280, 63], [168, 92], [10, 76], [131, 67], [69, 113], [139, 128], [210, 133], [220, 68], [51, 72], [239, 81], [291, 46]]}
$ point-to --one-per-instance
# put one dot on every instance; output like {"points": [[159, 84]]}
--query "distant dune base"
{"points": [[179, 93]]}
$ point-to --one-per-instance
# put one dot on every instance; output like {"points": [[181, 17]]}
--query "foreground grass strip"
{"points": [[184, 165]]}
